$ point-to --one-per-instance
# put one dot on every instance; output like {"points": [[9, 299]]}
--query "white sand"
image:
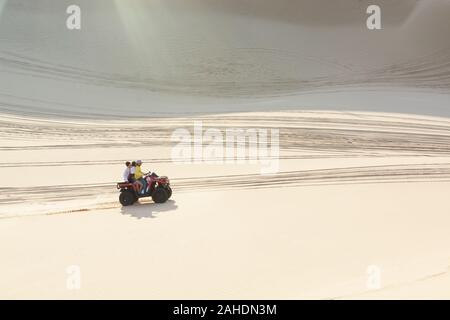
{"points": [[311, 236], [210, 245]]}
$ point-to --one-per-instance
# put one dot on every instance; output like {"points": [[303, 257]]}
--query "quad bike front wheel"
{"points": [[160, 195], [127, 198]]}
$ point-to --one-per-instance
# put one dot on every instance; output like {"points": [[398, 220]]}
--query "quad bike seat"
{"points": [[124, 185]]}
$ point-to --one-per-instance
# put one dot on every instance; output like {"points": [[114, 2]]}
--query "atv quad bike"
{"points": [[157, 187]]}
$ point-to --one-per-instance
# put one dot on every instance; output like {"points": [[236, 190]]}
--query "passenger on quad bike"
{"points": [[126, 173]]}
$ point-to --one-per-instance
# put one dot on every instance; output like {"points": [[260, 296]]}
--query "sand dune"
{"points": [[401, 148], [364, 159]]}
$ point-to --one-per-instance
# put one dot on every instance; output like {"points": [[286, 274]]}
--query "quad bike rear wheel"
{"points": [[160, 195], [169, 192], [127, 198]]}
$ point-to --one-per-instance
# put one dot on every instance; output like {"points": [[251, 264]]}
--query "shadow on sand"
{"points": [[148, 209]]}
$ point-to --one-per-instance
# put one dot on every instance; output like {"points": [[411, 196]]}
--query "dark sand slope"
{"points": [[181, 57]]}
